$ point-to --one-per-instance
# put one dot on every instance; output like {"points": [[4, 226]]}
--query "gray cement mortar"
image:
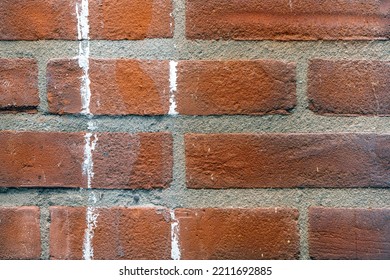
{"points": [[301, 120]]}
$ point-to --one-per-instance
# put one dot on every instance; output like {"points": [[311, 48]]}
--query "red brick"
{"points": [[238, 233], [41, 159], [20, 233], [38, 19], [55, 159], [288, 20], [125, 161], [287, 160], [63, 86], [118, 87], [349, 87], [67, 230], [235, 87], [346, 233], [130, 19], [120, 233], [19, 85]]}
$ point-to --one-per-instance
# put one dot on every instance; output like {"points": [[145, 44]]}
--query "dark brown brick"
{"points": [[238, 233], [287, 160], [345, 233], [349, 87]]}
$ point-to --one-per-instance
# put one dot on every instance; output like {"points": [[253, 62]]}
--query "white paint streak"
{"points": [[92, 216], [82, 12], [89, 147], [175, 248], [172, 87]]}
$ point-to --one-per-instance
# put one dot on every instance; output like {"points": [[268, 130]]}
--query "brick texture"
{"points": [[109, 20], [120, 233], [118, 87], [287, 160], [345, 233], [20, 233], [238, 233], [18, 85], [63, 86], [125, 161], [54, 159], [36, 159], [130, 19], [349, 87], [287, 20], [38, 19], [235, 87]]}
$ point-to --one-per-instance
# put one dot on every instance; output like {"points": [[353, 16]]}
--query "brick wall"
{"points": [[161, 129]]}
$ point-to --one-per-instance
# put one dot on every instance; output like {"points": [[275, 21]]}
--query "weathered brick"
{"points": [[120, 233], [235, 87], [238, 233], [63, 86], [41, 159], [288, 20], [18, 85], [349, 87], [126, 161], [346, 233], [67, 231], [287, 160], [118, 87], [20, 233], [38, 19], [130, 19]]}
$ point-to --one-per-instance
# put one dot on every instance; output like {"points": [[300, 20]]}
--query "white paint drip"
{"points": [[82, 12], [88, 160], [175, 248], [92, 216], [172, 87]]}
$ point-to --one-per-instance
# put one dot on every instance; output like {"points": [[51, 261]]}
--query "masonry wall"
{"points": [[194, 129]]}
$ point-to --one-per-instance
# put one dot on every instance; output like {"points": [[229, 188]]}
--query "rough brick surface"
{"points": [[67, 231], [349, 87], [130, 19], [235, 87], [128, 161], [349, 233], [18, 85], [63, 86], [287, 20], [287, 160], [238, 233], [118, 87], [41, 159], [20, 233], [120, 233], [38, 19]]}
